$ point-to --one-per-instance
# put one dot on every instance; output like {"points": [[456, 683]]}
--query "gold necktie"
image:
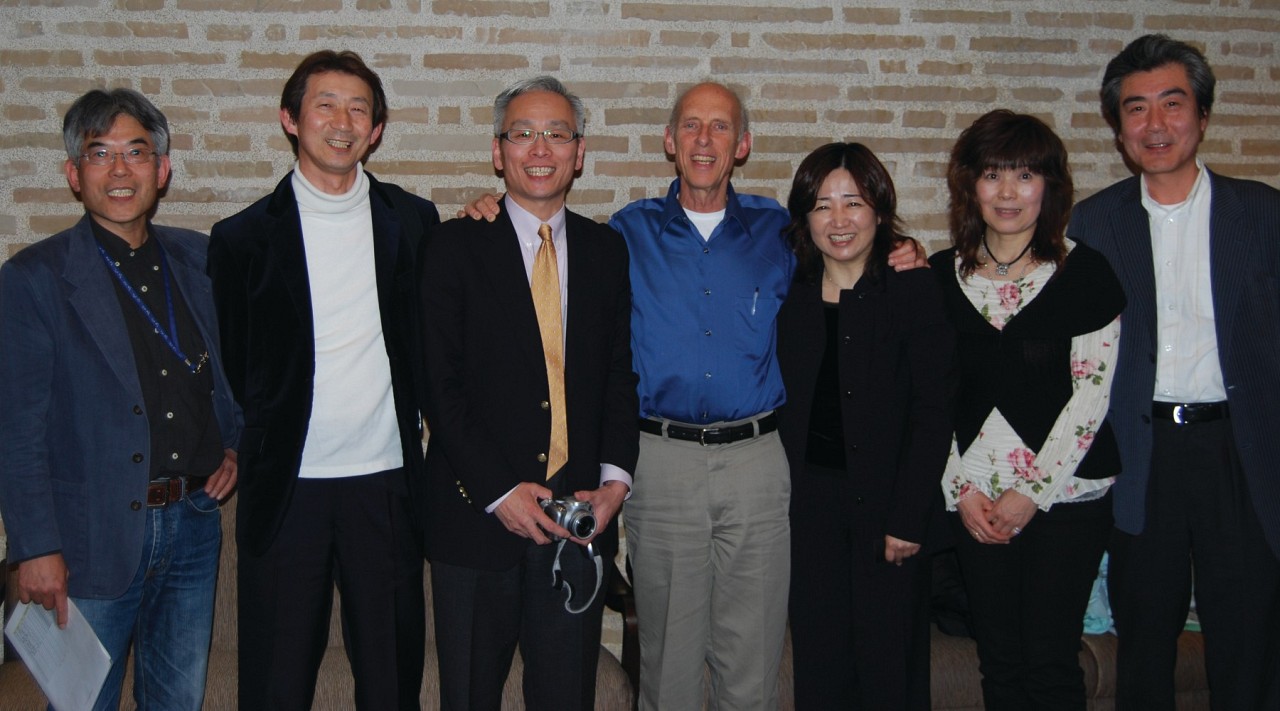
{"points": [[546, 302]]}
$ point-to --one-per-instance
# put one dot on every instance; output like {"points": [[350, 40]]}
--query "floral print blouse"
{"points": [[998, 461]]}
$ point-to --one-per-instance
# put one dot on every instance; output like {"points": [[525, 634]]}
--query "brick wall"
{"points": [[904, 77]]}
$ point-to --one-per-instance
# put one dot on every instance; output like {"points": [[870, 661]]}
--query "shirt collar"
{"points": [[526, 223], [672, 208], [1197, 188], [117, 248]]}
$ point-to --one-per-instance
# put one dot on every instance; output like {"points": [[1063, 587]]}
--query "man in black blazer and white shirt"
{"points": [[315, 291], [530, 395], [1194, 401]]}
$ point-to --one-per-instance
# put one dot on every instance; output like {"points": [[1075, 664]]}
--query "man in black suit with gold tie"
{"points": [[530, 396]]}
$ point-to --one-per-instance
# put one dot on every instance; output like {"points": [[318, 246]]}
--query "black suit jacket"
{"points": [[486, 381], [897, 378], [1244, 253], [263, 298]]}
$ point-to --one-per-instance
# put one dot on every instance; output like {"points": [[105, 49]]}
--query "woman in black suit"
{"points": [[1037, 323], [866, 357]]}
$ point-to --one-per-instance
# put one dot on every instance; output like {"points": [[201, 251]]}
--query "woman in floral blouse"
{"points": [[1037, 321]]}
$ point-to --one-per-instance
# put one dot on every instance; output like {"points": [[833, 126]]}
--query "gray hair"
{"points": [[93, 114], [1148, 53], [744, 121], [542, 83]]}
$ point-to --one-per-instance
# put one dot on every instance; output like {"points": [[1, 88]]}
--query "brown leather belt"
{"points": [[1190, 413], [162, 492], [711, 435]]}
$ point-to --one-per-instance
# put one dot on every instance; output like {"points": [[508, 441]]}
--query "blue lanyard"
{"points": [[169, 337]]}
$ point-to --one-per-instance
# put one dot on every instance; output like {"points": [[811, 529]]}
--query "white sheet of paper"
{"points": [[69, 664]]}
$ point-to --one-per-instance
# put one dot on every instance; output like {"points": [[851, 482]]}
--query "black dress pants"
{"points": [[859, 625], [481, 616], [1027, 600], [1200, 523], [357, 532]]}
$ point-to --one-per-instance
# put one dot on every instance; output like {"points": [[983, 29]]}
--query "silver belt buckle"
{"points": [[702, 434], [1179, 413]]}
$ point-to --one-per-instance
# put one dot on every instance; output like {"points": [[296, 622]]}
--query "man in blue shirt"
{"points": [[707, 524]]}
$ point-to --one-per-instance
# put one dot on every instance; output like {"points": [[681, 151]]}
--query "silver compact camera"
{"points": [[575, 516]]}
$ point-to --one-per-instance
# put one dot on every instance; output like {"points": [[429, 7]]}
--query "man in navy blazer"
{"points": [[315, 291], [494, 416], [1194, 401], [117, 425]]}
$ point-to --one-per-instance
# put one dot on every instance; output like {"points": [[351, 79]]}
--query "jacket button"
{"points": [[137, 457], [859, 500], [848, 393], [542, 458], [545, 405], [848, 339], [137, 410], [135, 505]]}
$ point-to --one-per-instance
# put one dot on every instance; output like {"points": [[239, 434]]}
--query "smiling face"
{"points": [[704, 139], [538, 175], [119, 196], [1161, 126], [842, 224], [1010, 200], [334, 128]]}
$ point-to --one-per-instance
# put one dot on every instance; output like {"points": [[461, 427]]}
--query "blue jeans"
{"points": [[167, 612]]}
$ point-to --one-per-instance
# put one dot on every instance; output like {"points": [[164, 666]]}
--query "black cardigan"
{"points": [[1024, 370], [896, 381]]}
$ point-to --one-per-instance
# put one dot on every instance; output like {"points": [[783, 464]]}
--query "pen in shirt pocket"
{"points": [[754, 300]]}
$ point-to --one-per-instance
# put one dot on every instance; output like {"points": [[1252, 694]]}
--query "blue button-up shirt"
{"points": [[703, 312]]}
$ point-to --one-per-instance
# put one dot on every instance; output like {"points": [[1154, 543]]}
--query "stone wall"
{"points": [[904, 77]]}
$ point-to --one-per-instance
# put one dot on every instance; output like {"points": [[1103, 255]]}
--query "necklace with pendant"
{"points": [[1002, 268]]}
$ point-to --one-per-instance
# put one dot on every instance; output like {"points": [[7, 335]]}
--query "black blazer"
{"points": [[1244, 255], [263, 298], [897, 381], [486, 381]]}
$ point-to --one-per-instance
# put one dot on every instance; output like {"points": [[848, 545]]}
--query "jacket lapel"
{"points": [[286, 256], [1133, 251], [1230, 242], [95, 301]]}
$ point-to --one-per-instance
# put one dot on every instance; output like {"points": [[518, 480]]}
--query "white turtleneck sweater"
{"points": [[353, 429]]}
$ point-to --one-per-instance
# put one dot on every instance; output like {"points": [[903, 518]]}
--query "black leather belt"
{"points": [[1190, 413], [711, 435], [162, 492]]}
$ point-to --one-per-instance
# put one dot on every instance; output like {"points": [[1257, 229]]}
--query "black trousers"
{"points": [[356, 532], [482, 615], [1027, 600], [1200, 524], [859, 625]]}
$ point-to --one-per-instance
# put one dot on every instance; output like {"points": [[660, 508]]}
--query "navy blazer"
{"points": [[486, 381], [74, 438], [1244, 252], [263, 299]]}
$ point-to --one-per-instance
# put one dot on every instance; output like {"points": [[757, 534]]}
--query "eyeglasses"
{"points": [[526, 136], [133, 156]]}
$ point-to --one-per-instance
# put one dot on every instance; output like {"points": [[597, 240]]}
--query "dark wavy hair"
{"points": [[1148, 53], [1001, 140], [876, 188], [327, 60]]}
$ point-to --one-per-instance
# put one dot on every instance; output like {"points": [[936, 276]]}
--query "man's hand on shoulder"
{"points": [[43, 581], [486, 207], [908, 254], [605, 502], [521, 513]]}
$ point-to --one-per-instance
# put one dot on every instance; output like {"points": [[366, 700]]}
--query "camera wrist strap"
{"points": [[558, 581]]}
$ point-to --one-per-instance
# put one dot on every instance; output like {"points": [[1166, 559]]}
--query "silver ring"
{"points": [[1016, 530]]}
